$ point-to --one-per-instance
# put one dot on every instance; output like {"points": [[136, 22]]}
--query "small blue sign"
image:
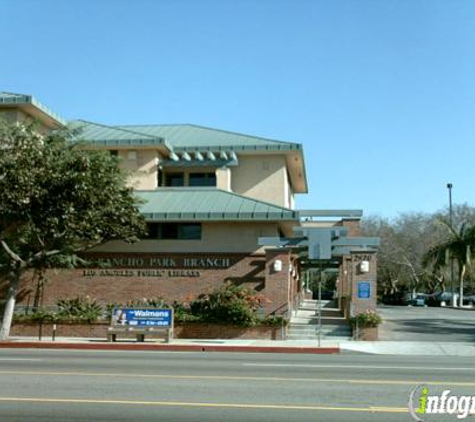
{"points": [[132, 317], [364, 290]]}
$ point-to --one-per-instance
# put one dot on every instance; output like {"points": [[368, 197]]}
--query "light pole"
{"points": [[454, 302]]}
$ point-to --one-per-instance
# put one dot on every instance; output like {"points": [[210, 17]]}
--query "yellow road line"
{"points": [[241, 378], [374, 409]]}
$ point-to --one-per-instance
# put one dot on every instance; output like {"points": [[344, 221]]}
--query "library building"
{"points": [[220, 208]]}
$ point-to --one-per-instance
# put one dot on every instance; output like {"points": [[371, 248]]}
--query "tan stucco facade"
{"points": [[142, 167], [264, 178], [232, 237]]}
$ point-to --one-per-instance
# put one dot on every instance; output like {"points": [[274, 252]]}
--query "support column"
{"points": [[363, 291], [277, 287], [363, 281], [223, 178]]}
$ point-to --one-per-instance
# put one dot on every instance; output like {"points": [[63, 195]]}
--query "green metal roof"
{"points": [[9, 98], [110, 136], [184, 137], [208, 204], [190, 137]]}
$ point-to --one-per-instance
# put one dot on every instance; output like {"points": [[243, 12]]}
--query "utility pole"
{"points": [[454, 302]]}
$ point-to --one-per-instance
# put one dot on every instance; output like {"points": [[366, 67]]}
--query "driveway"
{"points": [[405, 323]]}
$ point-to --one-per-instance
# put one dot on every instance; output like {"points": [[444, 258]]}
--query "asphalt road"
{"points": [[406, 323], [45, 385]]}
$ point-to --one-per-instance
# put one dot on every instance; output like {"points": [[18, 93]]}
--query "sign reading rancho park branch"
{"points": [[154, 267]]}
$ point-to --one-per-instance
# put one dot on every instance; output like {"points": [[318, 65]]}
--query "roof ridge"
{"points": [[214, 129], [119, 128], [254, 199], [239, 133]]}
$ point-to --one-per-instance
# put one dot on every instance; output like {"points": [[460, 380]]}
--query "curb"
{"points": [[171, 347]]}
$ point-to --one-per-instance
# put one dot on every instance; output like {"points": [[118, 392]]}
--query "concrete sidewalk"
{"points": [[243, 346], [412, 348]]}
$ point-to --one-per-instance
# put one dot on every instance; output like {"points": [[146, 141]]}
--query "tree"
{"points": [[459, 246], [56, 200], [403, 243]]}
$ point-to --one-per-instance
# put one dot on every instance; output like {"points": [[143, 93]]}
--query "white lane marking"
{"points": [[296, 365], [19, 359], [79, 351]]}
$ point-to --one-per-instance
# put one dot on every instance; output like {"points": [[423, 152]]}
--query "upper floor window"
{"points": [[174, 179], [177, 231], [202, 179]]}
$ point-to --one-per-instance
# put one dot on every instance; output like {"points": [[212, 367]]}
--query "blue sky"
{"points": [[380, 93]]}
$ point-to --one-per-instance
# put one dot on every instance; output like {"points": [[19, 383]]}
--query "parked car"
{"points": [[419, 300]]}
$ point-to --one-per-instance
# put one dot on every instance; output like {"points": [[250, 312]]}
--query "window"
{"points": [[114, 152], [202, 179], [177, 231], [174, 179], [152, 230]]}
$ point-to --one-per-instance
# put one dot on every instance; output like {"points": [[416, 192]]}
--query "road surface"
{"points": [[68, 385]]}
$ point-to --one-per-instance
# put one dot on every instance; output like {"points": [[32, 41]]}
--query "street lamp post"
{"points": [[454, 302]]}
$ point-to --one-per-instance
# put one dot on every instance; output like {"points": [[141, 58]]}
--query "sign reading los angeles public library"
{"points": [[155, 266]]}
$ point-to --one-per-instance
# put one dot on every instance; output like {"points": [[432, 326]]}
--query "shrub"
{"points": [[274, 321], [229, 304], [367, 318], [79, 309], [39, 315]]}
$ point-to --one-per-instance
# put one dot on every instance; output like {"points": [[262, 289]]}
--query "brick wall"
{"points": [[192, 331], [360, 305], [278, 292], [244, 270], [354, 226]]}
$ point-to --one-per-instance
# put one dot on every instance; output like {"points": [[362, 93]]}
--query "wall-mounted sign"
{"points": [[163, 262], [364, 290], [140, 273], [155, 266]]}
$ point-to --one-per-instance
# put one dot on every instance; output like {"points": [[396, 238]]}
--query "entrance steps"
{"points": [[304, 324]]}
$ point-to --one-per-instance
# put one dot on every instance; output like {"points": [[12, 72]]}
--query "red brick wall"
{"points": [[353, 225], [360, 305], [196, 331], [245, 270], [278, 291]]}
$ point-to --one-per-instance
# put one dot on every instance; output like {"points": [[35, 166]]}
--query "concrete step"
{"points": [[331, 312], [343, 334], [314, 328], [314, 321]]}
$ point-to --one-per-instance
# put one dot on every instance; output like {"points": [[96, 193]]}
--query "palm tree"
{"points": [[459, 246]]}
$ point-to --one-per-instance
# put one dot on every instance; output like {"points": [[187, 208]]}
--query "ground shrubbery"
{"points": [[366, 319], [229, 304]]}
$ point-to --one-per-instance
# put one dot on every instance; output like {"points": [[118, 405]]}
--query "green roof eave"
{"points": [[9, 98], [242, 148], [100, 135], [208, 204]]}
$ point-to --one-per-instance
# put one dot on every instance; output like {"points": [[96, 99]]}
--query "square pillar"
{"points": [[363, 281], [278, 287]]}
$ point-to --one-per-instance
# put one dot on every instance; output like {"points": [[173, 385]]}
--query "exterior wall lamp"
{"points": [[364, 266]]}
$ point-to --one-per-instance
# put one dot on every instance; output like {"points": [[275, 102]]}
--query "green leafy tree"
{"points": [[460, 246], [56, 200]]}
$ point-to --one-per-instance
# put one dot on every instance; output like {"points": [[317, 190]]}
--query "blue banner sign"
{"points": [[132, 317], [364, 290]]}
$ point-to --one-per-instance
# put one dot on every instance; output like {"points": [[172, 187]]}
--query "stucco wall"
{"points": [[215, 237], [143, 169], [262, 177]]}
